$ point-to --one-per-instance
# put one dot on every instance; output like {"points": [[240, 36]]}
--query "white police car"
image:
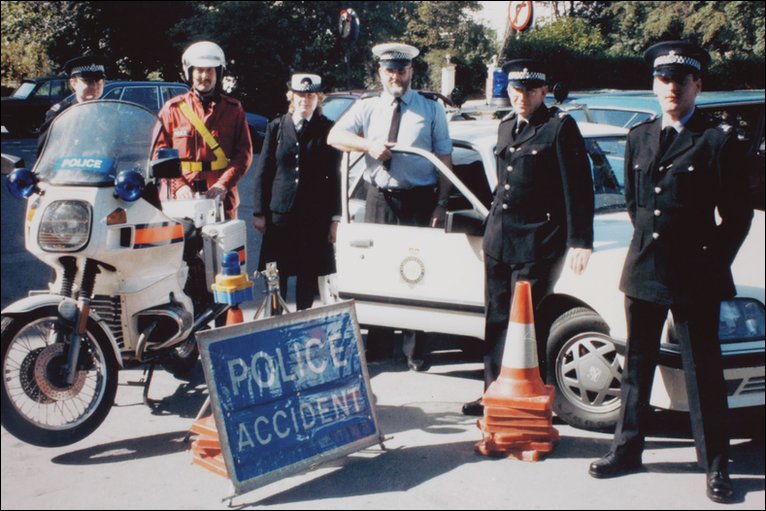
{"points": [[432, 280]]}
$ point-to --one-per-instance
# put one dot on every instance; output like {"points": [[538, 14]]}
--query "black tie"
{"points": [[666, 139], [520, 126], [393, 131], [299, 127]]}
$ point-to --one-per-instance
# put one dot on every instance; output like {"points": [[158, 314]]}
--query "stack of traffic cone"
{"points": [[206, 447], [518, 417]]}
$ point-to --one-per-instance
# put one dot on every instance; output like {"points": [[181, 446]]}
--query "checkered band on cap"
{"points": [[90, 68], [526, 74], [395, 55], [672, 58]]}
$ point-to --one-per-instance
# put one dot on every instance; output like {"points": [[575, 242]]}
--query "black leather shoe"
{"points": [[418, 364], [474, 408], [719, 488], [614, 465]]}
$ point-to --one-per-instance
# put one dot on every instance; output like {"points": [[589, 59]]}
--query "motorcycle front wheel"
{"points": [[38, 406]]}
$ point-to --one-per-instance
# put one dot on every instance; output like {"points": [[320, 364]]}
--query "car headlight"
{"points": [[742, 319], [64, 226]]}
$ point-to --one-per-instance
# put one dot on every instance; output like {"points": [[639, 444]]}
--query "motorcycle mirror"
{"points": [[11, 162], [167, 165]]}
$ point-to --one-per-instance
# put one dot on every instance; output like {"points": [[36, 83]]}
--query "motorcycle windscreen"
{"points": [[90, 143]]}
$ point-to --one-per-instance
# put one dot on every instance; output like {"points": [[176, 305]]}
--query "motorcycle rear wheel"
{"points": [[38, 407]]}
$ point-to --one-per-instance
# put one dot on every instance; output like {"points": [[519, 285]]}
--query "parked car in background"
{"points": [[743, 109], [24, 110], [337, 103], [150, 94], [432, 279]]}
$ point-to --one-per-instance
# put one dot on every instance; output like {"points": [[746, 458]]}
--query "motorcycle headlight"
{"points": [[65, 226]]}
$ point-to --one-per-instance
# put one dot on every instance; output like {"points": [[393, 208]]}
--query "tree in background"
{"points": [[446, 31]]}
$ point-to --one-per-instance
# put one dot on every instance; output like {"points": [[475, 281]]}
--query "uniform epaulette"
{"points": [[647, 121], [725, 127], [229, 99], [176, 99], [562, 114], [428, 95], [510, 115], [55, 108], [371, 94]]}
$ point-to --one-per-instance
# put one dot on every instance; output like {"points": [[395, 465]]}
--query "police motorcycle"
{"points": [[132, 274]]}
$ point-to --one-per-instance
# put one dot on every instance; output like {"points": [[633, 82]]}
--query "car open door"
{"points": [[421, 278]]}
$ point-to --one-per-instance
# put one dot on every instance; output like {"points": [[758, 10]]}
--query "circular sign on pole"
{"points": [[520, 15], [348, 26]]}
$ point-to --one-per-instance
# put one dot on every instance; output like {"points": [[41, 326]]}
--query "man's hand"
{"points": [[333, 235], [259, 222], [438, 217], [380, 150], [578, 259], [184, 193], [216, 191]]}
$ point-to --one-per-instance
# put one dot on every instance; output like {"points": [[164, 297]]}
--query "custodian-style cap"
{"points": [[395, 55], [87, 66], [525, 73], [302, 82], [673, 58]]}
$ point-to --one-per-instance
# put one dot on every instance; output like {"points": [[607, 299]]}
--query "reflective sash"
{"points": [[221, 161]]}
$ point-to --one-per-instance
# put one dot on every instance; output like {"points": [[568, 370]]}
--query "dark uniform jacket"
{"points": [[50, 115], [297, 189], [678, 253], [543, 203]]}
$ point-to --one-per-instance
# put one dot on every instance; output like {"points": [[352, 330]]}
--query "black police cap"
{"points": [[525, 73], [673, 58], [86, 66]]}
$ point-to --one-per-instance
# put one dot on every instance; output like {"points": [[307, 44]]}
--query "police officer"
{"points": [[297, 191], [87, 75], [543, 205], [679, 169], [403, 190], [209, 130]]}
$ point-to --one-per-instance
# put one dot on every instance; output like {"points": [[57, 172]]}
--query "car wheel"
{"points": [[583, 364]]}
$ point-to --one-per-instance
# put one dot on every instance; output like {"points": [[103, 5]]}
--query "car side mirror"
{"points": [[167, 165], [466, 221]]}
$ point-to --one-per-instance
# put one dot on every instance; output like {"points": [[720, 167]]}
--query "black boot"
{"points": [[474, 408], [719, 488], [615, 465]]}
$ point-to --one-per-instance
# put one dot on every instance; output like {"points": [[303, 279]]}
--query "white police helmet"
{"points": [[203, 54]]}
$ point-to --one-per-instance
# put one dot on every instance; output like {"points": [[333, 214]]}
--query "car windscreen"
{"points": [[607, 160], [24, 90], [90, 143], [334, 107]]}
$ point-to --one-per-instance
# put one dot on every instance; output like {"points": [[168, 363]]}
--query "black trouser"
{"points": [[413, 206], [306, 289], [501, 279], [697, 328]]}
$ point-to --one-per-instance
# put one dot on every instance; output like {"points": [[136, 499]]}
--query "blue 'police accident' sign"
{"points": [[288, 392]]}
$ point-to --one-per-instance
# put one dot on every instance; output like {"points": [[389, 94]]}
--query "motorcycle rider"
{"points": [[87, 76], [208, 129]]}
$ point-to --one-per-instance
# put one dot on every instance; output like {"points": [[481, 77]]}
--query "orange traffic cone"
{"points": [[519, 374], [517, 406], [234, 316]]}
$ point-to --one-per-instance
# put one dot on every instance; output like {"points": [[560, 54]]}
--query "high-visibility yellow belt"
{"points": [[221, 161]]}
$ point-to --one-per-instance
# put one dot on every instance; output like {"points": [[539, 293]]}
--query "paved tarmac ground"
{"points": [[137, 459]]}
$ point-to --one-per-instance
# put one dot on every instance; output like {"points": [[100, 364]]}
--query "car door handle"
{"points": [[360, 243]]}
